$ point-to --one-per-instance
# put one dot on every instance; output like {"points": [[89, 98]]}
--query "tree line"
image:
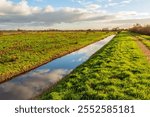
{"points": [[141, 29]]}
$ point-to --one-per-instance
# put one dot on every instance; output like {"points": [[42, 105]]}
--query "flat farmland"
{"points": [[21, 52], [120, 70]]}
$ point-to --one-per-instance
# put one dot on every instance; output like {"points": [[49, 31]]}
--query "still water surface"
{"points": [[34, 82]]}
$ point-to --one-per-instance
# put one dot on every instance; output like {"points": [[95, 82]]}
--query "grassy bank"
{"points": [[118, 71], [145, 39], [20, 52]]}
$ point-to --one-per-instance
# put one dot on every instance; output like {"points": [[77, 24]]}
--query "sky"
{"points": [[72, 14]]}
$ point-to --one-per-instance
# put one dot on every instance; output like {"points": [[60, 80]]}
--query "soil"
{"points": [[144, 49]]}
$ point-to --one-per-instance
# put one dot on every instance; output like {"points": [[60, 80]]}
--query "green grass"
{"points": [[145, 39], [118, 71], [20, 52]]}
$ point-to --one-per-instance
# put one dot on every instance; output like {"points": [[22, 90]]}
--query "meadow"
{"points": [[119, 70], [145, 39], [23, 51]]}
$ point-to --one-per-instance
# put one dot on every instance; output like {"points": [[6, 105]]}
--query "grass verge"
{"points": [[118, 71], [145, 39]]}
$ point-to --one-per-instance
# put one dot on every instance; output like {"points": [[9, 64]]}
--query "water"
{"points": [[33, 83]]}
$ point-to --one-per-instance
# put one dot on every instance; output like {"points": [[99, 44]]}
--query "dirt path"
{"points": [[145, 50]]}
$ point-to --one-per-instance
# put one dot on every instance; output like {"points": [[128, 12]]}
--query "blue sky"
{"points": [[137, 5], [72, 14]]}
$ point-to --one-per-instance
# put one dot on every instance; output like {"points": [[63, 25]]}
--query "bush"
{"points": [[141, 29]]}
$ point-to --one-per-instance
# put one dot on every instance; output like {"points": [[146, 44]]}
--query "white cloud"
{"points": [[23, 15], [49, 9], [66, 15], [79, 1], [130, 22], [127, 13], [112, 3], [21, 8], [126, 1], [93, 6], [132, 14], [109, 0]]}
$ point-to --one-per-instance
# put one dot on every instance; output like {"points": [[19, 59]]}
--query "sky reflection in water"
{"points": [[34, 82]]}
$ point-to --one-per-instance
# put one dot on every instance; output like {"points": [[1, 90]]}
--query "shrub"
{"points": [[141, 29]]}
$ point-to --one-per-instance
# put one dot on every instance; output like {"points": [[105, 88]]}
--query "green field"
{"points": [[23, 51], [145, 39], [118, 71]]}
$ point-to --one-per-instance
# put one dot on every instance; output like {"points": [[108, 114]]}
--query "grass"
{"points": [[143, 33], [145, 39], [118, 71], [23, 51]]}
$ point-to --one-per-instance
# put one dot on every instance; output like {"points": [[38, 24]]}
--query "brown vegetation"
{"points": [[141, 29]]}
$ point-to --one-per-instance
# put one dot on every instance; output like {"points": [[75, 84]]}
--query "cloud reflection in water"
{"points": [[34, 82]]}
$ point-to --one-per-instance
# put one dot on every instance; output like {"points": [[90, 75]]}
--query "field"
{"points": [[145, 39], [142, 33], [23, 51], [118, 71]]}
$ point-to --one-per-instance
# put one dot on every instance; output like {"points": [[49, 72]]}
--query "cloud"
{"points": [[132, 14], [126, 1], [22, 8], [80, 1], [23, 15], [112, 3], [93, 6], [67, 15], [49, 9], [132, 21], [32, 84]]}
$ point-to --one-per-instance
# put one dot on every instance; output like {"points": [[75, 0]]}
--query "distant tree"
{"points": [[137, 25], [88, 30], [115, 29], [19, 30], [105, 29], [141, 29]]}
